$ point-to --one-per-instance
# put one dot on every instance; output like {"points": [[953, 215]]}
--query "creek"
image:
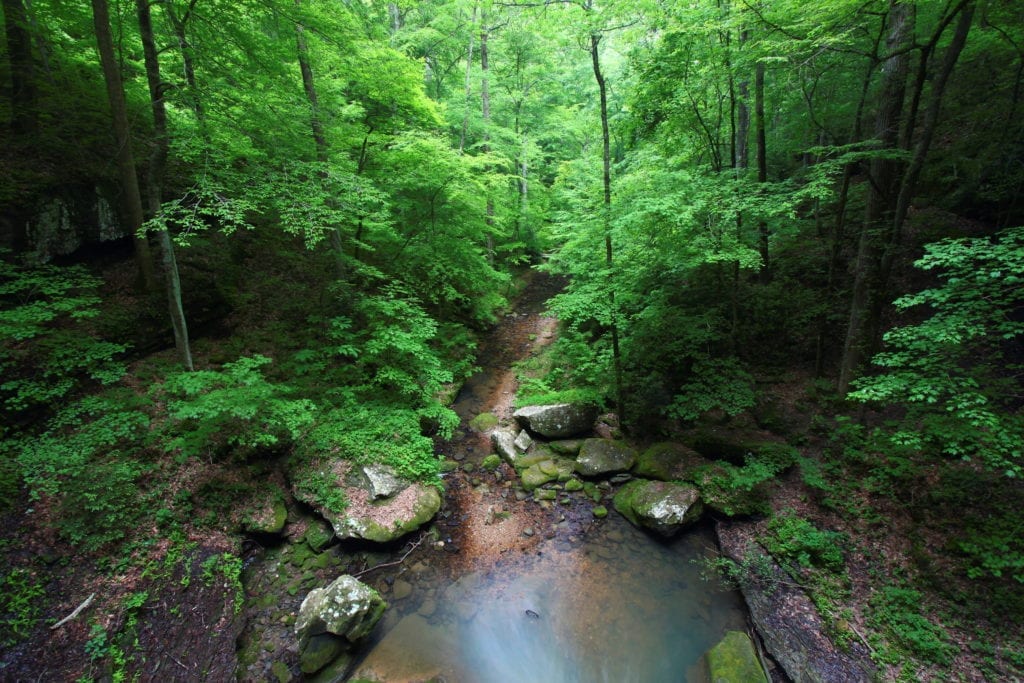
{"points": [[542, 591], [504, 588]]}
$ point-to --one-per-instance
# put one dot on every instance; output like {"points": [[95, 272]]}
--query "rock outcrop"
{"points": [[334, 618], [660, 506], [734, 660], [668, 462], [789, 624], [558, 421], [379, 505], [601, 456]]}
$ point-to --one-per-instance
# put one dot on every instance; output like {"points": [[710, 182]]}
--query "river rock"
{"points": [[569, 447], [602, 456], [660, 506], [347, 607], [319, 535], [331, 619], [734, 660], [557, 421], [789, 624], [731, 445], [366, 515], [382, 481], [523, 441], [668, 462], [504, 445]]}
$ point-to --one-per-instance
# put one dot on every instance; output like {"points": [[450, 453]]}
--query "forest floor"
{"points": [[168, 608]]}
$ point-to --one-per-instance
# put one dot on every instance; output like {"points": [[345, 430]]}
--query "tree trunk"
{"points": [[469, 83], [595, 54], [19, 52], [131, 199], [485, 107], [319, 138], [178, 23], [881, 195], [908, 184], [762, 166], [154, 184]]}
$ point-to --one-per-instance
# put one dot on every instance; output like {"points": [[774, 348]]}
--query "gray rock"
{"points": [[366, 515], [383, 482], [557, 421], [734, 660], [668, 462], [789, 624], [659, 506], [523, 441], [347, 608], [601, 456], [504, 445]]}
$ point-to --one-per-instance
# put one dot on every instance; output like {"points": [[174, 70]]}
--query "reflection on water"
{"points": [[617, 607]]}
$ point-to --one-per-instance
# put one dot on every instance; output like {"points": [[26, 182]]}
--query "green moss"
{"points": [[734, 660], [484, 422]]}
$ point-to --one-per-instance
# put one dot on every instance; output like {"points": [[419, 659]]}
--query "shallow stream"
{"points": [[617, 606]]}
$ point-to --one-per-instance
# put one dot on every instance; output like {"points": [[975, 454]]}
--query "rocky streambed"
{"points": [[523, 574]]}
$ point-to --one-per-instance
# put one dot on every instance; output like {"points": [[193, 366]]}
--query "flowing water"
{"points": [[520, 591]]}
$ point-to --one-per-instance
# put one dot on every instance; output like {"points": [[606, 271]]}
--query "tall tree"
{"points": [[19, 53], [130, 197], [155, 181]]}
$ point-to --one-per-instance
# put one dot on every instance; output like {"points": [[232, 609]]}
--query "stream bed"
{"points": [[503, 587], [616, 606]]}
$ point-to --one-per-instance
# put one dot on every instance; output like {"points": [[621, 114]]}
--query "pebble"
{"points": [[401, 590], [427, 608], [459, 456], [528, 531]]}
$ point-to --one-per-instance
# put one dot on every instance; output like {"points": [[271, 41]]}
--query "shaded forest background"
{"points": [[236, 233]]}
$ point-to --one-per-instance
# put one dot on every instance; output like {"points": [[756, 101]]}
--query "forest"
{"points": [[242, 241]]}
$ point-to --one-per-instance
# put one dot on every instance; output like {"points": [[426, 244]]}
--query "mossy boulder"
{"points": [[598, 457], [491, 462], [734, 660], [265, 512], [483, 422], [544, 471], [356, 505], [720, 491], [319, 535], [557, 421], [333, 618], [569, 447], [731, 445], [668, 461], [663, 507]]}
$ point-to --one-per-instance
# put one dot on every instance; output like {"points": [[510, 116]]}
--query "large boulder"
{"points": [[660, 506], [668, 462], [790, 626], [735, 445], [734, 660], [544, 471], [332, 619], [602, 456], [369, 501], [557, 421]]}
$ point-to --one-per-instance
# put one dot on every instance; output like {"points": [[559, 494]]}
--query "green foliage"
{"points": [[955, 371], [713, 385], [797, 540], [85, 459], [226, 567], [21, 602], [372, 432], [896, 611], [233, 407], [46, 354], [96, 646]]}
